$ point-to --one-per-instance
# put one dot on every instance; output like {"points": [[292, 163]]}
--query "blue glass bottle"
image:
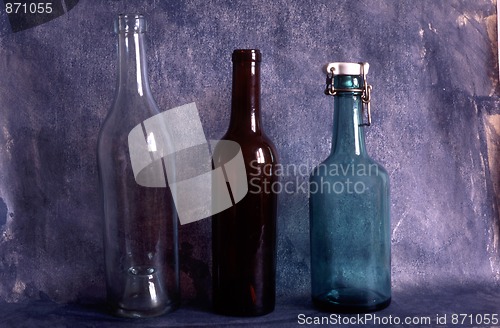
{"points": [[350, 207]]}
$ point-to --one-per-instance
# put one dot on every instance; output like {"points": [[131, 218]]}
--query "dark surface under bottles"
{"points": [[447, 303], [433, 68]]}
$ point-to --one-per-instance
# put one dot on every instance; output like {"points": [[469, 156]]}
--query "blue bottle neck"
{"points": [[348, 131]]}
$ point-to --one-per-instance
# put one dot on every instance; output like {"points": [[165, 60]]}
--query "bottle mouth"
{"points": [[247, 55], [130, 23]]}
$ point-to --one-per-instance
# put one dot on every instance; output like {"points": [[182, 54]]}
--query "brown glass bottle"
{"points": [[244, 235]]}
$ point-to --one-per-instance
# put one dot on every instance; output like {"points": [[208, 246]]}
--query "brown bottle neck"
{"points": [[245, 101]]}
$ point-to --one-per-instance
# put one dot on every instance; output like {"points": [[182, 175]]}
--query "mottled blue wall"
{"points": [[435, 111]]}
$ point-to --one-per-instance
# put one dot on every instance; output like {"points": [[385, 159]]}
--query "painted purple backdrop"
{"points": [[436, 129]]}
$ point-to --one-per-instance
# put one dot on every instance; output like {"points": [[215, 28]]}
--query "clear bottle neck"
{"points": [[348, 131], [245, 100], [132, 65]]}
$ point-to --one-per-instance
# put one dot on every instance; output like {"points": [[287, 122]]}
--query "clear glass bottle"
{"points": [[140, 230], [349, 207], [244, 235]]}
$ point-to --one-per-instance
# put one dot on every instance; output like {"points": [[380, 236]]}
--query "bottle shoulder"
{"points": [[250, 140], [341, 165], [254, 147], [126, 112], [342, 158], [134, 105]]}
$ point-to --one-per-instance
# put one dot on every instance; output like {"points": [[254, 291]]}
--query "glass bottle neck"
{"points": [[245, 101], [348, 133], [132, 66]]}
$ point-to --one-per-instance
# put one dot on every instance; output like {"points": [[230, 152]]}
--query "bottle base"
{"points": [[128, 313], [350, 300], [144, 294]]}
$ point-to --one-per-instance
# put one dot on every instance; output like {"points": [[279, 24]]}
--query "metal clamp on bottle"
{"points": [[360, 68]]}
